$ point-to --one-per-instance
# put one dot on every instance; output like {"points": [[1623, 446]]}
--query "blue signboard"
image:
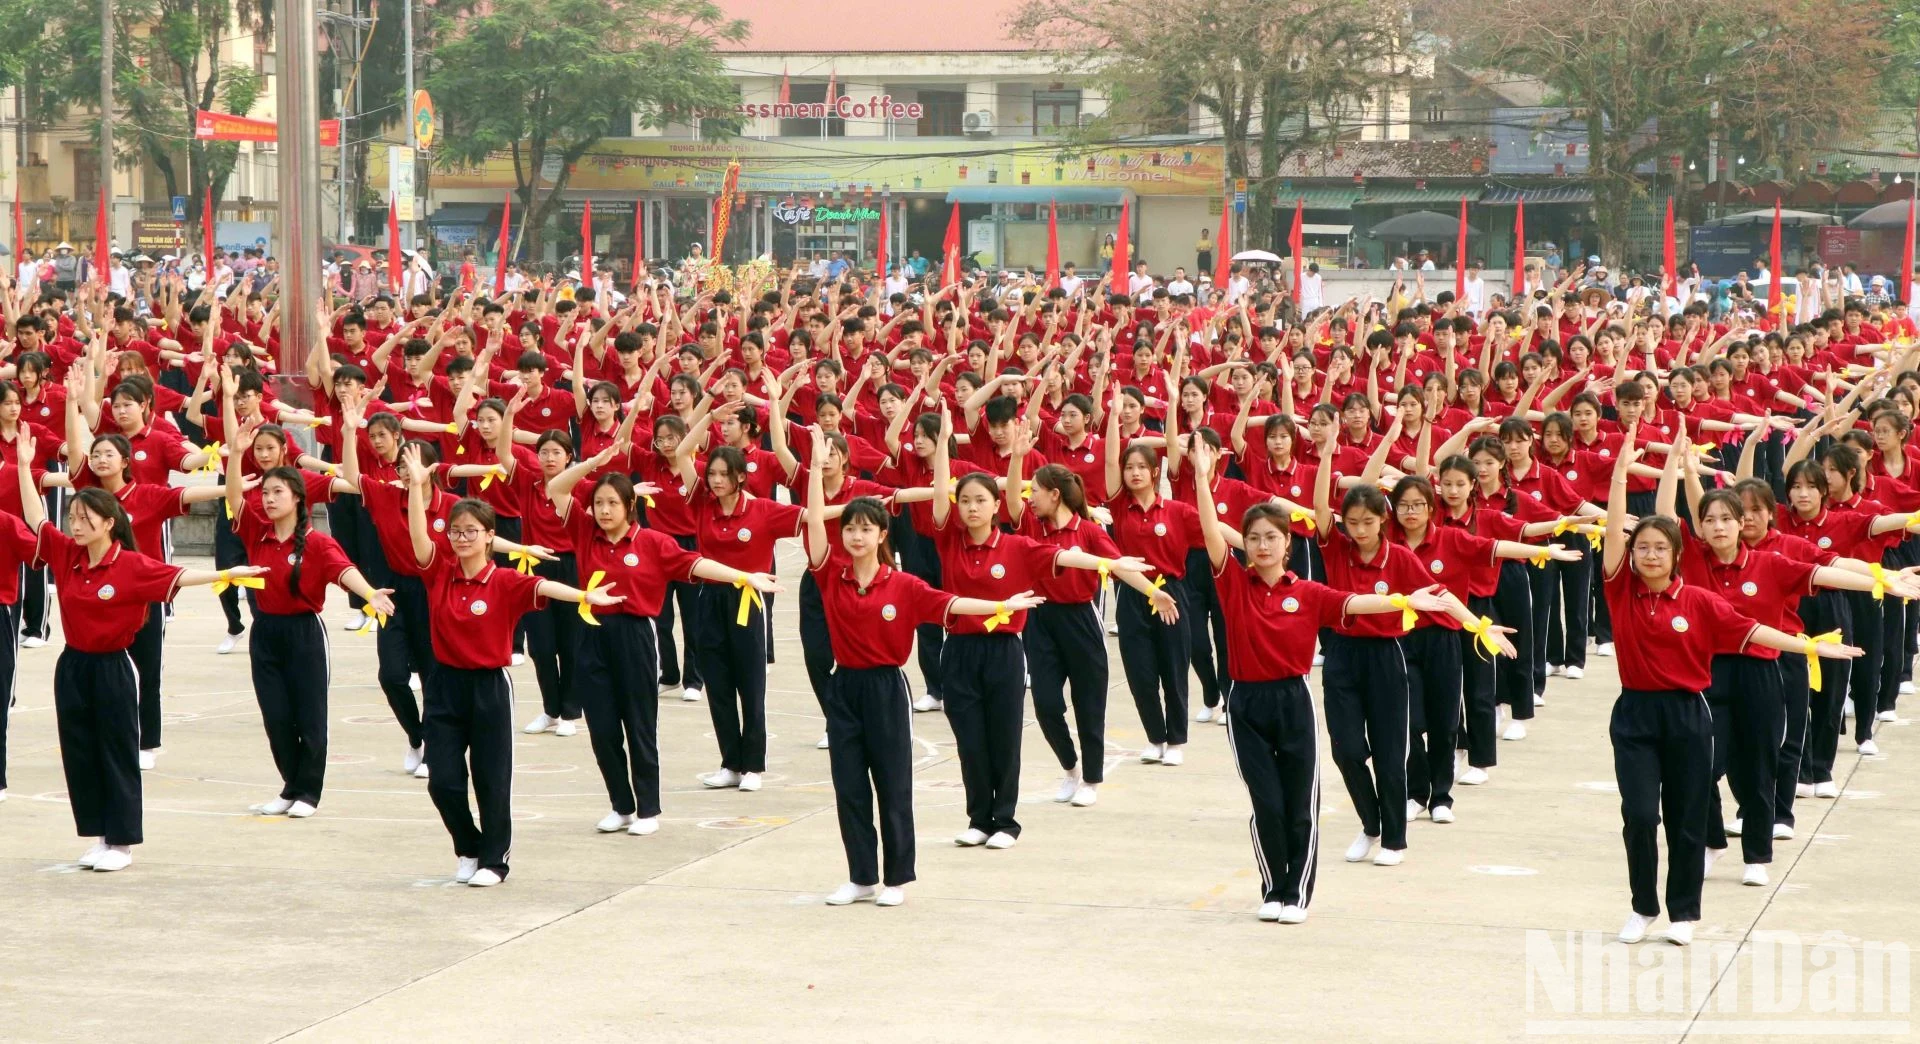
{"points": [[180, 208], [1722, 251]]}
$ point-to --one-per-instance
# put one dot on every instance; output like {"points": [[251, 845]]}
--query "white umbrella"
{"points": [[1257, 255]]}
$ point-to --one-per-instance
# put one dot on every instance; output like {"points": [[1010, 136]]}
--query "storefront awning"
{"points": [[461, 214], [1395, 194], [1316, 198], [1502, 195], [1034, 194]]}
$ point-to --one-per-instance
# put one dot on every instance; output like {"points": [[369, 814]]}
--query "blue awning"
{"points": [[1034, 194], [1502, 195], [462, 214]]}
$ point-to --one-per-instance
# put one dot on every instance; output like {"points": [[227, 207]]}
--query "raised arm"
{"points": [[817, 550], [1615, 541]]}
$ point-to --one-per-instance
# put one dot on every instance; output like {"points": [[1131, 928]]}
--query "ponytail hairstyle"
{"points": [[297, 486], [871, 511], [1844, 459], [1059, 479], [1493, 447], [99, 502]]}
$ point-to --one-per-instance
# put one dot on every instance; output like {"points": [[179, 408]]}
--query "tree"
{"points": [[1276, 77], [541, 78], [1653, 78]]}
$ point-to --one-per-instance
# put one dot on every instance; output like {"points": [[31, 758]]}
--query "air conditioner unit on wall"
{"points": [[979, 124]]}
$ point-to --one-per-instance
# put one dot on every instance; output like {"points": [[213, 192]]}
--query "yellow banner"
{"points": [[840, 165]]}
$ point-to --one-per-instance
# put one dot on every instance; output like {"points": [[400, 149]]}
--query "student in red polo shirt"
{"points": [[873, 611], [105, 588], [288, 652], [1273, 619], [1666, 632], [617, 673], [473, 608], [667, 510], [16, 551]]}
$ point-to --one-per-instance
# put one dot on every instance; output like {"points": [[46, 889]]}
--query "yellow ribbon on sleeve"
{"points": [[523, 561], [1540, 558], [374, 616], [494, 471], [749, 597], [1564, 526], [1000, 616], [1482, 631], [1302, 515], [228, 580], [586, 608], [316, 422], [1106, 575], [1812, 649], [452, 428], [1879, 580], [1408, 616], [211, 465]]}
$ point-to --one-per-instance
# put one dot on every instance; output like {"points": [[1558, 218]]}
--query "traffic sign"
{"points": [[1239, 202], [180, 208]]}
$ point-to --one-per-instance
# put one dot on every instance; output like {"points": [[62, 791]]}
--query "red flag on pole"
{"points": [[639, 241], [500, 263], [1906, 259], [1519, 288], [586, 244], [19, 227], [1053, 245], [102, 262], [394, 259], [1221, 251], [206, 231], [880, 256], [1773, 265], [1297, 244], [950, 250], [1460, 260], [1122, 264], [786, 88], [1670, 266]]}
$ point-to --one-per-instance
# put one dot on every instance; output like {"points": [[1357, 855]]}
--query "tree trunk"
{"points": [[1613, 188], [1262, 208]]}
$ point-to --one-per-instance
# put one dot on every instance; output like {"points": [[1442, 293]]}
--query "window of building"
{"points": [[942, 114], [812, 94], [1055, 111], [1436, 108]]}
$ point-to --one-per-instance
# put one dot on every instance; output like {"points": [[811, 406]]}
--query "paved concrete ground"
{"points": [[1131, 919]]}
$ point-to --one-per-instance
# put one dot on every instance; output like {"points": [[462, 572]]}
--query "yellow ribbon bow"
{"points": [[648, 498], [586, 608], [1812, 649], [212, 464], [1305, 517], [1913, 520], [1596, 535], [1000, 616], [1564, 526], [1482, 631], [1106, 575], [1879, 580], [317, 422], [1408, 617], [374, 616], [494, 471], [452, 429], [1701, 449], [1541, 557], [749, 597], [523, 561], [228, 580], [1026, 489]]}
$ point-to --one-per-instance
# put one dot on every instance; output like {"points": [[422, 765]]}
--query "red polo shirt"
{"points": [[1005, 565], [1667, 640], [1089, 461], [324, 563], [539, 522], [1161, 533], [643, 562], [1454, 557], [1272, 628], [1070, 586], [1392, 570], [1846, 533], [873, 627], [386, 505], [1759, 584], [17, 544], [745, 538], [849, 489], [103, 606], [472, 618]]}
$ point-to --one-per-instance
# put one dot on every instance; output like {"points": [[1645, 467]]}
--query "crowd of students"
{"points": [[1442, 510]]}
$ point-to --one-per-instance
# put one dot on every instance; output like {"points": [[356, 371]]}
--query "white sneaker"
{"points": [[3, 796], [1221, 718], [1270, 911], [276, 807], [34, 641], [1846, 707], [1906, 687], [1086, 795], [1069, 786], [1556, 671], [538, 725], [1474, 776], [117, 857], [1886, 715], [565, 728], [355, 622], [1712, 854], [1756, 875], [1389, 857], [1782, 832], [689, 695], [892, 895], [147, 760], [1174, 755], [1869, 748], [413, 682], [725, 777], [302, 810], [416, 757], [1319, 659], [749, 782], [924, 703], [970, 837], [1733, 827], [1203, 715], [1002, 839], [825, 742], [483, 879], [1828, 789], [1574, 673], [518, 659], [1151, 754], [1539, 699], [92, 855], [1113, 630], [1361, 848], [1680, 933], [849, 893], [613, 822], [1515, 731], [227, 645], [1604, 649], [421, 772], [1804, 790], [464, 870], [1635, 929], [1442, 813], [644, 827], [1414, 808], [1293, 915]]}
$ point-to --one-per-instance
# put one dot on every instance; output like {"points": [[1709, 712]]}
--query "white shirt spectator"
{"points": [[27, 274], [1237, 287], [1853, 285], [1312, 291], [1476, 301], [1138, 284], [1179, 286], [1071, 284], [896, 284], [120, 279]]}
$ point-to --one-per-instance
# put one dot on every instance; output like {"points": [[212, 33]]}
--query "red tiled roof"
{"points": [[844, 26]]}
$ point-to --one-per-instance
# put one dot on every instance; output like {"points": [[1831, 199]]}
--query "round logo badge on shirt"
{"points": [[1573, 476], [998, 572], [1605, 452], [888, 612], [1680, 624], [1159, 529], [139, 454], [546, 411], [1089, 458], [1825, 542], [439, 525], [1749, 589], [744, 535], [1296, 490], [631, 560], [293, 559], [1290, 604], [753, 466], [106, 592], [1379, 587], [478, 608], [1438, 567], [1536, 494], [1220, 507]]}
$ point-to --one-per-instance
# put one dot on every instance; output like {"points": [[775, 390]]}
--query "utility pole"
{"points": [[297, 94], [413, 141], [106, 113]]}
